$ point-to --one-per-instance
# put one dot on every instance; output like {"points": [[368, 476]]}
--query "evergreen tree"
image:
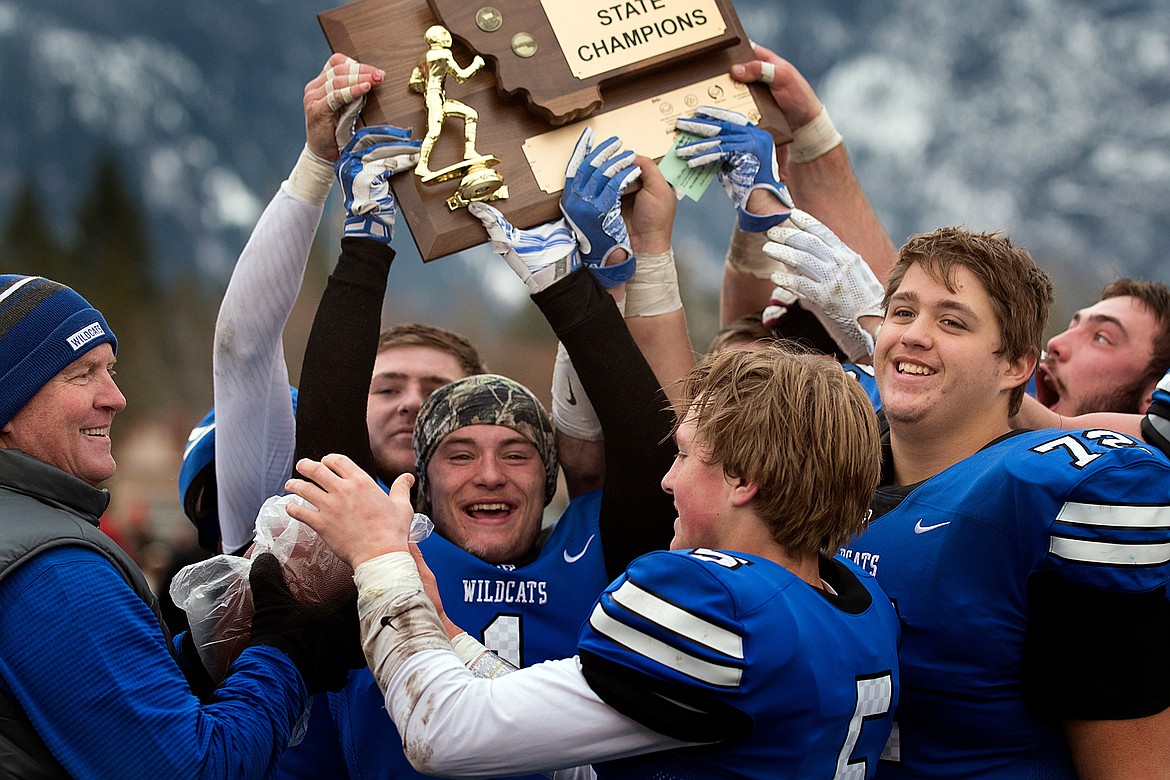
{"points": [[29, 245], [112, 248], [111, 254]]}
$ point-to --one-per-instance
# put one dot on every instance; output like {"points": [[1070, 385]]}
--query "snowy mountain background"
{"points": [[1047, 118]]}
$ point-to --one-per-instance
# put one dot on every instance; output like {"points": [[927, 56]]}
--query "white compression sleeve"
{"points": [[430, 693], [255, 434], [572, 411]]}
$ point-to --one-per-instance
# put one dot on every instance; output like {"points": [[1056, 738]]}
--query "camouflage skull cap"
{"points": [[484, 399]]}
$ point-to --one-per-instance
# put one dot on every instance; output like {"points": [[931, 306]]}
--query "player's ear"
{"points": [[1147, 396], [1020, 370], [742, 491]]}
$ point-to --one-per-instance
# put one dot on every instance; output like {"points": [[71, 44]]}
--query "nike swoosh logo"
{"points": [[577, 557], [919, 528], [572, 398]]}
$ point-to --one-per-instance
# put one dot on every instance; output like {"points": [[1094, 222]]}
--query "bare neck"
{"points": [[920, 453], [756, 539], [806, 566]]}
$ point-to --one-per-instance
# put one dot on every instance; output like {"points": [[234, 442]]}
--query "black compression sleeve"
{"points": [[636, 515], [683, 712], [1094, 654], [340, 354]]}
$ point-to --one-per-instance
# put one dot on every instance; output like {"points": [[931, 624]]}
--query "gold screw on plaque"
{"points": [[480, 181], [488, 19], [523, 45]]}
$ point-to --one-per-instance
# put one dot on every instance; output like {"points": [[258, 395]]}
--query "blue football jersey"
{"points": [[864, 376], [786, 680], [958, 555], [526, 614]]}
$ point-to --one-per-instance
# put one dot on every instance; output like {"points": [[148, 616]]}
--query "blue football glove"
{"points": [[594, 182], [367, 162], [748, 155], [1156, 424], [539, 256]]}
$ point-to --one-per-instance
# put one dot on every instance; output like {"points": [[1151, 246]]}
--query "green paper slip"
{"points": [[692, 182]]}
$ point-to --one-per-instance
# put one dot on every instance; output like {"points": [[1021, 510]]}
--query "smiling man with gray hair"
{"points": [[91, 684]]}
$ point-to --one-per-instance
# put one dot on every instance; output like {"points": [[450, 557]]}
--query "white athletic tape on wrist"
{"points": [[572, 411], [814, 139], [767, 72], [745, 254], [654, 287], [393, 572], [311, 178], [482, 663]]}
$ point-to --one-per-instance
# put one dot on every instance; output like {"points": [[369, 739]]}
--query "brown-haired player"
{"points": [[1028, 566], [745, 639], [1112, 354]]}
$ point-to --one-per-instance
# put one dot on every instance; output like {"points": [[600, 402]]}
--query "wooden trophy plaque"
{"points": [[551, 68]]}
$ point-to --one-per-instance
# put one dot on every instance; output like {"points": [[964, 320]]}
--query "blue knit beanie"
{"points": [[44, 326]]}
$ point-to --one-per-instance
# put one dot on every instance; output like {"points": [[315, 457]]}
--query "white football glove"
{"points": [[539, 256], [832, 280]]}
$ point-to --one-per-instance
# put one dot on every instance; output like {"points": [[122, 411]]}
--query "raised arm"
{"points": [[654, 311], [655, 317], [636, 515], [343, 342], [254, 416], [820, 175], [817, 170]]}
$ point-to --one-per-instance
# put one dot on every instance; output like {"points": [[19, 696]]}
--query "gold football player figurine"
{"points": [[480, 181]]}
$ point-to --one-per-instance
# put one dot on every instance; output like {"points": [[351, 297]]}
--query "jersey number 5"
{"points": [[874, 695]]}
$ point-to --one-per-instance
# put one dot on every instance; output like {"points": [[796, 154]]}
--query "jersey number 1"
{"points": [[502, 636]]}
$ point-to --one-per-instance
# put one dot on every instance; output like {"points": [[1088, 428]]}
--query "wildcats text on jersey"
{"points": [[505, 591], [866, 561]]}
